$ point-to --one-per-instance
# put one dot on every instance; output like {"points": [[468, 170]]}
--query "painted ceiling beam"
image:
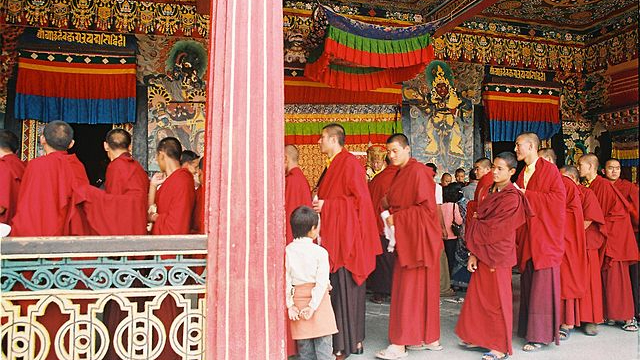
{"points": [[463, 15]]}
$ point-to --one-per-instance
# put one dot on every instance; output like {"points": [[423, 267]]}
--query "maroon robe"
{"points": [[380, 279], [197, 224], [414, 316], [573, 270], [491, 237], [47, 203], [348, 229], [630, 192], [122, 208], [620, 251], [591, 310], [540, 247], [296, 193], [484, 184], [11, 171], [175, 199]]}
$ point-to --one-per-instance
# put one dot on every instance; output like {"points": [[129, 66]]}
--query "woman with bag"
{"points": [[452, 221]]}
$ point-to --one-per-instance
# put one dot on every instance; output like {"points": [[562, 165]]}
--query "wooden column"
{"points": [[245, 179]]}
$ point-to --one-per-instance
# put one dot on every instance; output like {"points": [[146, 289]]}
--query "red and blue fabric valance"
{"points": [[513, 109], [352, 55], [81, 89]]}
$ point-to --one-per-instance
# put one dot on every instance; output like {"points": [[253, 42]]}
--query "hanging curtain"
{"points": [[302, 90], [622, 125], [513, 109], [81, 89], [352, 55]]}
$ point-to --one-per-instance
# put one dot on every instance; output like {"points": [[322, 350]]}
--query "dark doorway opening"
{"points": [[90, 151]]}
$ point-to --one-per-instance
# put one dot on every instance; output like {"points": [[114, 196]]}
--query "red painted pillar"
{"points": [[245, 178]]}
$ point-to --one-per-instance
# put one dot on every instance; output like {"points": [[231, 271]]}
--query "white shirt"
{"points": [[306, 262], [528, 172], [439, 194]]}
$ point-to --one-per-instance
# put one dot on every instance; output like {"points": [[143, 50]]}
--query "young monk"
{"points": [[296, 186], [175, 199], [573, 269], [621, 249], [126, 183], [414, 316], [491, 239], [48, 204], [540, 246], [11, 170], [595, 234]]}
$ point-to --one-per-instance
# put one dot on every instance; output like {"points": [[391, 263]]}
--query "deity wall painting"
{"points": [[438, 114], [174, 69]]}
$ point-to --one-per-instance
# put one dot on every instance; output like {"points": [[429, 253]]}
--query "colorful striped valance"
{"points": [[83, 89], [353, 55], [301, 90], [513, 109]]}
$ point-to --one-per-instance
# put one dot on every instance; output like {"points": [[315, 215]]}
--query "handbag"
{"points": [[455, 228]]}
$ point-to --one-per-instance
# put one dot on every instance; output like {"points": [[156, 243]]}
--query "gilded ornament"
{"points": [[60, 13], [512, 52], [146, 11], [203, 25], [167, 18], [125, 12], [103, 14], [552, 53], [188, 19], [525, 50], [37, 12], [565, 58], [540, 55], [498, 50], [14, 11], [82, 13], [439, 47], [468, 47], [482, 49], [454, 46]]}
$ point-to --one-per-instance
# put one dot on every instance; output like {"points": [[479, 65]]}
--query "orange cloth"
{"points": [[323, 321]]}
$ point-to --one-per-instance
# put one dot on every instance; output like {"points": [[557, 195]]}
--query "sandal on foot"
{"points": [[591, 329], [391, 354], [532, 346], [610, 322], [437, 347], [492, 356], [631, 326], [565, 334], [469, 346]]}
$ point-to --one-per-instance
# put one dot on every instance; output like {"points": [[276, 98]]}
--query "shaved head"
{"points": [[548, 154], [292, 152], [171, 147], [530, 137], [118, 139], [483, 162], [336, 130], [588, 166], [399, 138], [590, 159], [58, 135], [571, 172]]}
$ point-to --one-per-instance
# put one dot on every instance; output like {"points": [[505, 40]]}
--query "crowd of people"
{"points": [[571, 234], [51, 195]]}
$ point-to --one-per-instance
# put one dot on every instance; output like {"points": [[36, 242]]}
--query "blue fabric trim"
{"points": [[509, 130], [75, 111], [379, 32], [628, 162]]}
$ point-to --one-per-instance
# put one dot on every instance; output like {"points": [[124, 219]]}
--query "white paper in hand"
{"points": [[389, 232]]}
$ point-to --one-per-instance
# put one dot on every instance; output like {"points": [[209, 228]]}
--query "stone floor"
{"points": [[611, 343]]}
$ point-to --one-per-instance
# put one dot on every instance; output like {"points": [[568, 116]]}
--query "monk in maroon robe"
{"points": [[296, 187], [348, 231], [482, 168], [621, 249], [414, 316], [380, 280], [573, 270], [47, 202], [486, 318], [591, 312], [540, 246], [197, 224], [631, 193], [121, 209], [11, 170]]}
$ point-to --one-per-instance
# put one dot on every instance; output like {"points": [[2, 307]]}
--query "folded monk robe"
{"points": [[620, 251], [11, 171], [296, 193], [631, 193], [414, 316], [121, 209], [48, 204], [486, 318], [482, 189], [591, 310], [573, 270]]}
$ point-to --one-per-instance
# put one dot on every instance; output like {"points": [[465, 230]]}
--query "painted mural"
{"points": [[440, 117], [173, 69]]}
